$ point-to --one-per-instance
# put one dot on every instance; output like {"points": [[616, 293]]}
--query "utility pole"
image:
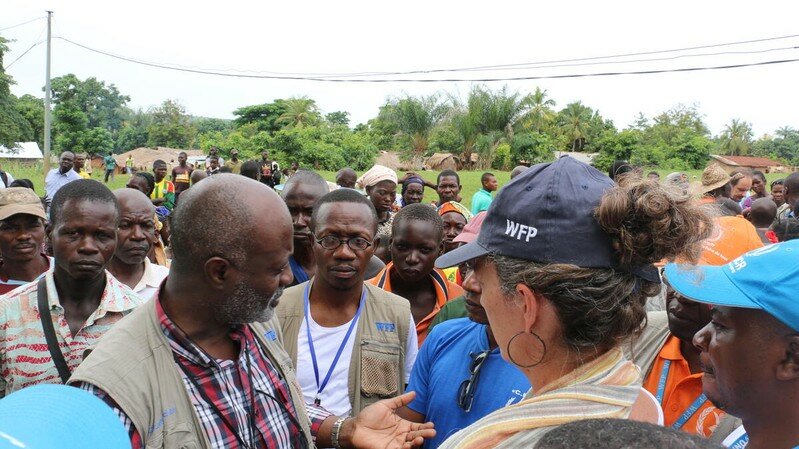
{"points": [[47, 121]]}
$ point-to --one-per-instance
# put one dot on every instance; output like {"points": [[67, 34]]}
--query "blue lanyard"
{"points": [[321, 387], [690, 411]]}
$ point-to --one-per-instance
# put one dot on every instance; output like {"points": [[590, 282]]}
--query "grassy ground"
{"points": [[469, 179]]}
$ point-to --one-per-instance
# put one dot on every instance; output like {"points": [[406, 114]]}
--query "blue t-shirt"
{"points": [[443, 364]]}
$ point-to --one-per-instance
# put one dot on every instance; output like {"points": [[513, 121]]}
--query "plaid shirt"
{"points": [[227, 385]]}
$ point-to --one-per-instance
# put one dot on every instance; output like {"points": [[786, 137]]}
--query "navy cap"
{"points": [[546, 215]]}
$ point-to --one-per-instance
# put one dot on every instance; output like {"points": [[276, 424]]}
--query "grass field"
{"points": [[469, 179]]}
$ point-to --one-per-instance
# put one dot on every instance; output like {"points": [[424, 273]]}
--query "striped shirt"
{"points": [[226, 386], [24, 357]]}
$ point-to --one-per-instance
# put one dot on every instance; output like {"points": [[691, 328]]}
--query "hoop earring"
{"points": [[533, 334]]}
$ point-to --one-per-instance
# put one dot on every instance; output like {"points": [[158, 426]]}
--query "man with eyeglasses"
{"points": [[351, 342], [459, 375]]}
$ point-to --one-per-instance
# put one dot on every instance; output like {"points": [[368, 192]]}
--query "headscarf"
{"points": [[412, 180], [454, 206], [376, 174]]}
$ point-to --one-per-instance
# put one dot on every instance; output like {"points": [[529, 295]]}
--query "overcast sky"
{"points": [[366, 36]]}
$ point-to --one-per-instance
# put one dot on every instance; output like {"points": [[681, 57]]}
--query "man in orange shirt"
{"points": [[416, 242], [675, 376]]}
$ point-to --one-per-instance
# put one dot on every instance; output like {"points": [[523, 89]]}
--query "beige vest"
{"points": [[377, 366], [134, 364]]}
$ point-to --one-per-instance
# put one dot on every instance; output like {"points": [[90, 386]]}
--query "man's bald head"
{"points": [[763, 212], [197, 176], [517, 170], [308, 179], [132, 199], [346, 177], [219, 217], [136, 233]]}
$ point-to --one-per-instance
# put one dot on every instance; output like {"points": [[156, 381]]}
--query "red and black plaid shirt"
{"points": [[227, 385]]}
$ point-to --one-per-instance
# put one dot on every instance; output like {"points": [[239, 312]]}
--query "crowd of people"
{"points": [[244, 306]]}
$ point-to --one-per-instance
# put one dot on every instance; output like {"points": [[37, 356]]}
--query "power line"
{"points": [[422, 80], [670, 58], [24, 53], [20, 24], [35, 44], [573, 62], [594, 58]]}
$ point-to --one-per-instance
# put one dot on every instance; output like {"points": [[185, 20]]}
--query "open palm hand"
{"points": [[379, 427]]}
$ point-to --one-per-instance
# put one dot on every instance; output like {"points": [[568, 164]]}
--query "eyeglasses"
{"points": [[468, 387], [331, 242]]}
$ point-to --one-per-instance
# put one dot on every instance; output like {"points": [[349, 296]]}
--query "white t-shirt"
{"points": [[335, 398]]}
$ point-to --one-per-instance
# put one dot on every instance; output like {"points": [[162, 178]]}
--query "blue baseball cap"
{"points": [[47, 416], [765, 279], [546, 215]]}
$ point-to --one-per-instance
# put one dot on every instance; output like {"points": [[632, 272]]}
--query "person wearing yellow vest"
{"points": [[164, 190], [79, 166], [201, 365]]}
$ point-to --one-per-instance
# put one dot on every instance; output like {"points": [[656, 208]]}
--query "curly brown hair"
{"points": [[601, 307]]}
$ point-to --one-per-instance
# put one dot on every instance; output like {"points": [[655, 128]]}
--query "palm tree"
{"points": [[300, 111], [784, 132], [416, 117], [575, 118], [540, 113], [736, 138]]}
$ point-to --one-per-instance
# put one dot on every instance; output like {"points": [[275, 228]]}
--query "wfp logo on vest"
{"points": [[519, 231], [386, 327]]}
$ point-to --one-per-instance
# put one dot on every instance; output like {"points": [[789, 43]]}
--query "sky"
{"points": [[368, 36]]}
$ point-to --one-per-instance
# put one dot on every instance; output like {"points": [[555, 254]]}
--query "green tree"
{"points": [[531, 148], [134, 132], [574, 121], [32, 109], [415, 118], [13, 126], [208, 124], [83, 105], [736, 139], [540, 115], [96, 140], [299, 111], [338, 118], [264, 115], [170, 126]]}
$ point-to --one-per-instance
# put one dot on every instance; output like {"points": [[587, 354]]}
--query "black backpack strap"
{"points": [[49, 331]]}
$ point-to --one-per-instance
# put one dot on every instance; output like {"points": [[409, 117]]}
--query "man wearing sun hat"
{"points": [[750, 349], [22, 233], [714, 190]]}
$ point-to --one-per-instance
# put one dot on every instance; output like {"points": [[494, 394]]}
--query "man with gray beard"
{"points": [[202, 364]]}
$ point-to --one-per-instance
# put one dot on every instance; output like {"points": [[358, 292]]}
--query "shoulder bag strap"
{"points": [[49, 331]]}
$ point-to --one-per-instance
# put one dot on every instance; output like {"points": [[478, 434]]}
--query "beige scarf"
{"points": [[606, 387]]}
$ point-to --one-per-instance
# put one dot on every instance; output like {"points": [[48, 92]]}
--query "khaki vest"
{"points": [[134, 364], [377, 366]]}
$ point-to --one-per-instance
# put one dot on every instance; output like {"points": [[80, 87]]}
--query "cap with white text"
{"points": [[766, 279], [546, 215]]}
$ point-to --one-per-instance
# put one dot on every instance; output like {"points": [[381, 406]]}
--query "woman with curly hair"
{"points": [[565, 260]]}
